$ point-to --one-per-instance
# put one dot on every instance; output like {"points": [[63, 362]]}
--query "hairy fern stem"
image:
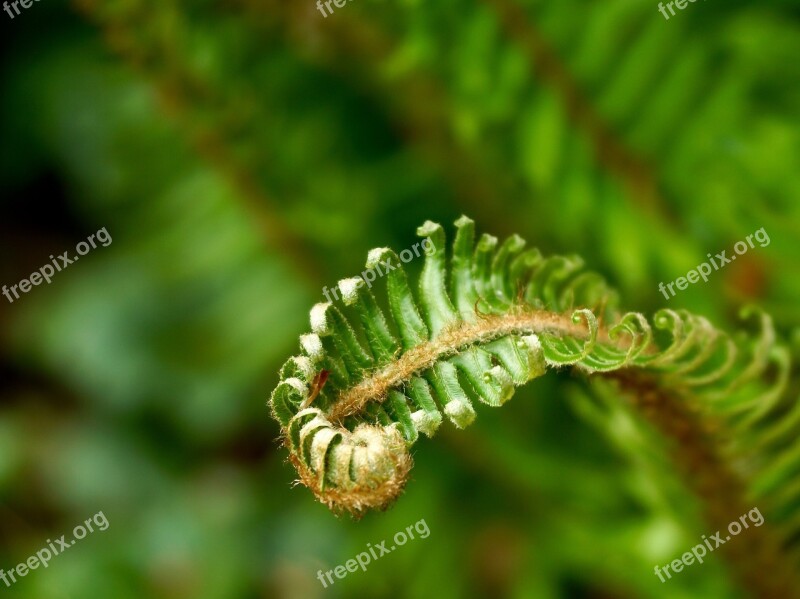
{"points": [[448, 343]]}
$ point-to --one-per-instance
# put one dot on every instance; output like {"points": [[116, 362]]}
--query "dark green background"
{"points": [[244, 154]]}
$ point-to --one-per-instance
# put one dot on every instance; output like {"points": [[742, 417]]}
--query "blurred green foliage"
{"points": [[243, 154]]}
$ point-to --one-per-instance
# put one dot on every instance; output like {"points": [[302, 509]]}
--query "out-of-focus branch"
{"points": [[610, 151], [178, 90], [761, 565], [416, 102]]}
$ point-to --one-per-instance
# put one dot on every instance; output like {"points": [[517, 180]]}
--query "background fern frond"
{"points": [[244, 154]]}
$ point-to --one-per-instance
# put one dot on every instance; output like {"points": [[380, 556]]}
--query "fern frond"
{"points": [[493, 317]]}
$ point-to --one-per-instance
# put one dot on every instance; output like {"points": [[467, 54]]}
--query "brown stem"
{"points": [[417, 103], [609, 151], [179, 90], [448, 342], [755, 556]]}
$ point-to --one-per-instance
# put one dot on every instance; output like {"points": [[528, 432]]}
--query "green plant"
{"points": [[497, 317]]}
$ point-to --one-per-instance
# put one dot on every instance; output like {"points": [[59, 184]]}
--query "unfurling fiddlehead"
{"points": [[489, 319]]}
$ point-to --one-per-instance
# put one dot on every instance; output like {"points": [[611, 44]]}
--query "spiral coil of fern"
{"points": [[489, 320]]}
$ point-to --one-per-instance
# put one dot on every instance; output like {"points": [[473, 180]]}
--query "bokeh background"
{"points": [[243, 154]]}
